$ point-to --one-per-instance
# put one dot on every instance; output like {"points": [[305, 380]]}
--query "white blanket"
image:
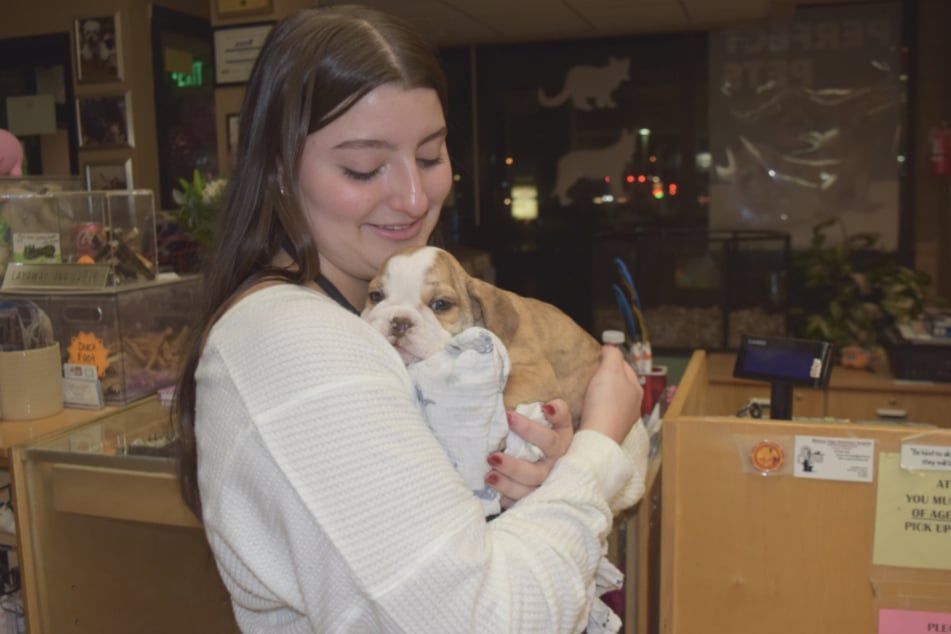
{"points": [[460, 393]]}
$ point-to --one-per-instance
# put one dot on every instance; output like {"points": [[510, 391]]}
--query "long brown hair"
{"points": [[314, 65]]}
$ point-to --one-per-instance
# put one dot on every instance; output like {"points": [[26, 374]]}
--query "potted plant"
{"points": [[198, 201], [850, 292]]}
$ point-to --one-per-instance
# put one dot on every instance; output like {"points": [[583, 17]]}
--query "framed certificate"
{"points": [[236, 50], [231, 8]]}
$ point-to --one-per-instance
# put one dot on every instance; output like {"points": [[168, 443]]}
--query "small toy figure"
{"points": [[856, 357], [11, 154]]}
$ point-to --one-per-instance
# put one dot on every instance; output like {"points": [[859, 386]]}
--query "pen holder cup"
{"points": [[653, 383], [31, 383]]}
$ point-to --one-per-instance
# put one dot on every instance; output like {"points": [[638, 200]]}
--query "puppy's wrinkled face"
{"points": [[418, 301]]}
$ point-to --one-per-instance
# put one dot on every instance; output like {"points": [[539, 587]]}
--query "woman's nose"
{"points": [[407, 191]]}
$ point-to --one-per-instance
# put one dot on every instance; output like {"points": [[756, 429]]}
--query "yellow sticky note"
{"points": [[912, 516]]}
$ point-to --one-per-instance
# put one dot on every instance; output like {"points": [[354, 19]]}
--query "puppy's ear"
{"points": [[492, 307]]}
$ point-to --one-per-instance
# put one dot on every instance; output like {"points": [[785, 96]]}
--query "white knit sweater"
{"points": [[330, 506]]}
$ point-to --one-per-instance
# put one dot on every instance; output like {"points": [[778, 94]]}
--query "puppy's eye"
{"points": [[440, 305], [375, 296]]}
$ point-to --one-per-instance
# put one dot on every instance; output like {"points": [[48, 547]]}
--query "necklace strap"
{"points": [[322, 281], [335, 293]]}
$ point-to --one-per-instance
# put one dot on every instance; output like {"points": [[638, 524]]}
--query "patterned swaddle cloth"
{"points": [[459, 390]]}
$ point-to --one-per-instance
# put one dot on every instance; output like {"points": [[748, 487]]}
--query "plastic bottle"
{"points": [[617, 339]]}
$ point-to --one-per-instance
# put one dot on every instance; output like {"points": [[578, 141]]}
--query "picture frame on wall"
{"points": [[236, 50], [98, 51], [104, 121], [237, 8], [108, 174]]}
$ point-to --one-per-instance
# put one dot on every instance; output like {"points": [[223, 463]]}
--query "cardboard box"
{"points": [[134, 335]]}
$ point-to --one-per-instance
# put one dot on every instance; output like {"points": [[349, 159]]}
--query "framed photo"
{"points": [[104, 121], [109, 175], [98, 56], [236, 50], [233, 8]]}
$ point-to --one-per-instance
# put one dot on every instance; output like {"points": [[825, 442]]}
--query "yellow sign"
{"points": [[912, 516], [88, 349]]}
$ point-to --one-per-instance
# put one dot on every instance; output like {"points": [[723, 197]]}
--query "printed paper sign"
{"points": [[925, 457], [36, 247], [829, 458], [912, 517], [81, 386], [913, 622]]}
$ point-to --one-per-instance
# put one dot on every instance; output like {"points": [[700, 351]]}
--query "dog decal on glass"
{"points": [[609, 162], [590, 87]]}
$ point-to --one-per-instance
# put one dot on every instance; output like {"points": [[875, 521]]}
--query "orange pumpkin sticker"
{"points": [[767, 456], [88, 349]]}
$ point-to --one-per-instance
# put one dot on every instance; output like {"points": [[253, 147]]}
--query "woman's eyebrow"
{"points": [[357, 144]]}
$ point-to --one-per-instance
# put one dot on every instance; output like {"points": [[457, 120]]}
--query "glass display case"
{"points": [[134, 335], [110, 228], [105, 542]]}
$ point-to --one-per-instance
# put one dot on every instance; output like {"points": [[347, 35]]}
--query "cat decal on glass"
{"points": [[590, 87], [596, 164]]}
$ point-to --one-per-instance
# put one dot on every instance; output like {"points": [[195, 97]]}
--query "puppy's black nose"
{"points": [[399, 326]]}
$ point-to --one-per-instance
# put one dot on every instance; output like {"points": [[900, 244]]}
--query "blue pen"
{"points": [[628, 281], [626, 311]]}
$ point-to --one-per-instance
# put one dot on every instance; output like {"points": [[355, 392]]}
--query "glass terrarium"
{"points": [[115, 229]]}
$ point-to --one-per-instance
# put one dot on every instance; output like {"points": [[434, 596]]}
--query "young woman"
{"points": [[327, 502]]}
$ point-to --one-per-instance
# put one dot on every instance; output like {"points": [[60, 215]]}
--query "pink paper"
{"points": [[913, 622]]}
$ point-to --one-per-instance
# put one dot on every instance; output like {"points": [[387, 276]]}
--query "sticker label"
{"points": [[36, 247], [88, 349], [767, 456]]}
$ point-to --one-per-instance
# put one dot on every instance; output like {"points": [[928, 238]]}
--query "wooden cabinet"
{"points": [[904, 406], [106, 544], [855, 395]]}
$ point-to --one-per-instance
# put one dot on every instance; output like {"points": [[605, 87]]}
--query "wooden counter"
{"points": [[18, 432], [745, 553]]}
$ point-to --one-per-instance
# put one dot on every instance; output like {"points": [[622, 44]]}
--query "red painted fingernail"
{"points": [[495, 459], [492, 479], [548, 409]]}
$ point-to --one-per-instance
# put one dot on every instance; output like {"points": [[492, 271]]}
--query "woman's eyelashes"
{"points": [[357, 175], [360, 176]]}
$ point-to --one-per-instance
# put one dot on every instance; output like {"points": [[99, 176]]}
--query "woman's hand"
{"points": [[612, 402], [515, 478]]}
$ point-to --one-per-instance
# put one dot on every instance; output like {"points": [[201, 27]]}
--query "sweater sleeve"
{"points": [[330, 506]]}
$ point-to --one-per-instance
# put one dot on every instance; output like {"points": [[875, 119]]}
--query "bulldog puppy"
{"points": [[422, 296]]}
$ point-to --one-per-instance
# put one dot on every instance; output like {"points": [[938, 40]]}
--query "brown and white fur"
{"points": [[422, 296]]}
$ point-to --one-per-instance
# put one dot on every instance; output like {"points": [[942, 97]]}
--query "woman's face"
{"points": [[374, 180]]}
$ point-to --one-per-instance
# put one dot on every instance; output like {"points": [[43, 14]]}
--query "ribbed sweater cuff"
{"points": [[604, 458]]}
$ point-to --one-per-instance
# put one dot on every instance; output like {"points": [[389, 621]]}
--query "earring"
{"points": [[282, 190]]}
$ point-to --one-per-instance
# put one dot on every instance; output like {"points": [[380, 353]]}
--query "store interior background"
{"points": [[498, 55]]}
